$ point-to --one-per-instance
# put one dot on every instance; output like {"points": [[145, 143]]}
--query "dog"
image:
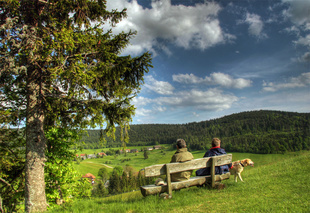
{"points": [[237, 167]]}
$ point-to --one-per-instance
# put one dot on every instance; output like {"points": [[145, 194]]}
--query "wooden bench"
{"points": [[169, 168]]}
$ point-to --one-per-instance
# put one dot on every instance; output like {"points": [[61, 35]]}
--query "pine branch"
{"points": [[4, 181]]}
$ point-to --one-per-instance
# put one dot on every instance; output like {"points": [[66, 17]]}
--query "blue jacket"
{"points": [[214, 151]]}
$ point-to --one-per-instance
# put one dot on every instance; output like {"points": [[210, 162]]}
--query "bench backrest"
{"points": [[160, 169]]}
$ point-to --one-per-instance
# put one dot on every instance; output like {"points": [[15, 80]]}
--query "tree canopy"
{"points": [[61, 68]]}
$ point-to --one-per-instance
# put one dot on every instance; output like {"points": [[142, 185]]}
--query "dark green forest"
{"points": [[254, 132]]}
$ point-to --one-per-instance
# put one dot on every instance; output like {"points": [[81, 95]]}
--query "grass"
{"points": [[137, 160], [90, 166], [277, 183], [93, 151], [157, 157]]}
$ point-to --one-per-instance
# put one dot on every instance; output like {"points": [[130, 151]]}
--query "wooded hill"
{"points": [[256, 132]]}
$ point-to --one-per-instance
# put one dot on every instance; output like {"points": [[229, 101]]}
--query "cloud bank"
{"points": [[302, 80], [188, 27], [251, 32]]}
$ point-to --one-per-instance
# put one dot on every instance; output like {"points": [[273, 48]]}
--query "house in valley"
{"points": [[157, 147], [102, 154], [83, 156], [90, 176], [90, 156]]}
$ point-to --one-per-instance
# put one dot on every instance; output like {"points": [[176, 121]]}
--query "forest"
{"points": [[261, 132]]}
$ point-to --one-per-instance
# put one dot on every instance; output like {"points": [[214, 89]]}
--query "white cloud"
{"points": [[298, 12], [292, 29], [218, 78], [305, 57], [305, 41], [209, 100], [159, 109], [142, 104], [187, 78], [143, 112], [160, 87], [295, 82], [227, 81], [140, 101], [255, 25], [185, 26], [212, 99]]}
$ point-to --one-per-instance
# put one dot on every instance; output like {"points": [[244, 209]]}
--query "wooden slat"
{"points": [[212, 171], [193, 181], [159, 169]]}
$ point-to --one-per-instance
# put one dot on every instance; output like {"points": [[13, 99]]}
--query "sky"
{"points": [[216, 58]]}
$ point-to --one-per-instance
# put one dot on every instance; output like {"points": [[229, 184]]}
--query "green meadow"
{"points": [[277, 183], [138, 162]]}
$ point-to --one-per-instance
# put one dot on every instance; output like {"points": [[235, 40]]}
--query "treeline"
{"points": [[256, 132], [119, 181]]}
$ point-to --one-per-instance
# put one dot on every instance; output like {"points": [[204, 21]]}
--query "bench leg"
{"points": [[169, 190]]}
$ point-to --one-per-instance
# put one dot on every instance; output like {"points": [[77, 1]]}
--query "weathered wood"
{"points": [[170, 168], [193, 181], [159, 169], [169, 190], [212, 172]]}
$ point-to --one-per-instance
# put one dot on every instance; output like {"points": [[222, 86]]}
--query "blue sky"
{"points": [[216, 58]]}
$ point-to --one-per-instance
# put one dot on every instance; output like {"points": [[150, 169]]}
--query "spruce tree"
{"points": [[124, 182], [115, 183], [61, 68]]}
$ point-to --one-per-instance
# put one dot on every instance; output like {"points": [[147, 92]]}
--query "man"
{"points": [[181, 155], [214, 151]]}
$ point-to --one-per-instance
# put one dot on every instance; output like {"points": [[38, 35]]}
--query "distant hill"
{"points": [[255, 131]]}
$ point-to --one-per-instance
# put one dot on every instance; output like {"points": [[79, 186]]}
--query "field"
{"points": [[138, 162], [277, 183]]}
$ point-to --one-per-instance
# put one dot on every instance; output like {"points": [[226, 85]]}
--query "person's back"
{"points": [[214, 151], [181, 155]]}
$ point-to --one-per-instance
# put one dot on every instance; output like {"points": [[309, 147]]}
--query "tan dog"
{"points": [[238, 167]]}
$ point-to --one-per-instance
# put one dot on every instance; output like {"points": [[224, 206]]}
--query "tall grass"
{"points": [[277, 183]]}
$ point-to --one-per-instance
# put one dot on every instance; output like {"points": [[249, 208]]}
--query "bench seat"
{"points": [[171, 168], [193, 181]]}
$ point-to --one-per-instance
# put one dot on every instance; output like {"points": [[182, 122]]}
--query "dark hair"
{"points": [[181, 143], [216, 142]]}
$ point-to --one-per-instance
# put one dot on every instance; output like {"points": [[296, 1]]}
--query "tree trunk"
{"points": [[35, 199]]}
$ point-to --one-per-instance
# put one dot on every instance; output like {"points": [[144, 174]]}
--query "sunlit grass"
{"points": [[277, 183], [138, 162]]}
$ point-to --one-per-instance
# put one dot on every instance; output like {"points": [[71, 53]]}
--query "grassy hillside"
{"points": [[277, 183], [138, 162]]}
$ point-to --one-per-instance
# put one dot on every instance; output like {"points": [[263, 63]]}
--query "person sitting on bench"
{"points": [[181, 155], [214, 151]]}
